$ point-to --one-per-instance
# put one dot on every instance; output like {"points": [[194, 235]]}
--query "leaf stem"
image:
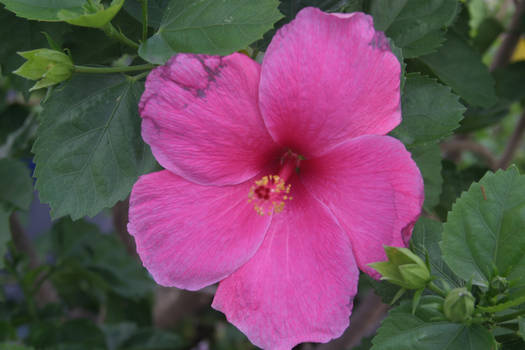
{"points": [[139, 76], [144, 19], [436, 289], [107, 70], [509, 317], [112, 32]]}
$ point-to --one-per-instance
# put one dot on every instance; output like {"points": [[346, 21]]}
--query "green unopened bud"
{"points": [[48, 66], [459, 305], [403, 268], [93, 14], [499, 284]]}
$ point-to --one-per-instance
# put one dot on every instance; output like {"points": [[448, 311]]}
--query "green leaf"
{"points": [[156, 9], [460, 66], [479, 118], [42, 10], [101, 254], [456, 181], [89, 151], [385, 12], [461, 23], [427, 44], [156, 50], [403, 330], [488, 31], [414, 25], [486, 230], [210, 26], [90, 46], [428, 160], [16, 187], [425, 242], [430, 111]]}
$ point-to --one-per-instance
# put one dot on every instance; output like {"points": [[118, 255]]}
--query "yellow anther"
{"points": [[269, 194]]}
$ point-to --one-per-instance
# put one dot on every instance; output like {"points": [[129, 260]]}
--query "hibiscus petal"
{"points": [[373, 188], [190, 236], [299, 285], [201, 118], [326, 78]]}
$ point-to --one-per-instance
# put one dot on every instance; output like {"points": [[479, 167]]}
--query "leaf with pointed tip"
{"points": [[430, 111], [89, 151], [209, 26], [428, 160], [459, 65], [485, 230], [414, 25]]}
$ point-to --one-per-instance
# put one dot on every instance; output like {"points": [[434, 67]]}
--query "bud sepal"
{"points": [[403, 268], [48, 66], [94, 14], [459, 305]]}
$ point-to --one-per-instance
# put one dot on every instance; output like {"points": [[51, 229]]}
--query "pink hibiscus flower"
{"points": [[279, 181]]}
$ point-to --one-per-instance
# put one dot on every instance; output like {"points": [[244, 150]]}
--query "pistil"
{"points": [[270, 192]]}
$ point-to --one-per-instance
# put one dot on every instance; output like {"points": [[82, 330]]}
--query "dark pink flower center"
{"points": [[269, 193]]}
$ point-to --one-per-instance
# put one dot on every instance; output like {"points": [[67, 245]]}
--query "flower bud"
{"points": [[499, 284], [403, 268], [48, 66], [459, 305]]}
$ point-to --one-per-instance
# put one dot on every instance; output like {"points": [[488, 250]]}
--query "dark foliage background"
{"points": [[69, 275]]}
